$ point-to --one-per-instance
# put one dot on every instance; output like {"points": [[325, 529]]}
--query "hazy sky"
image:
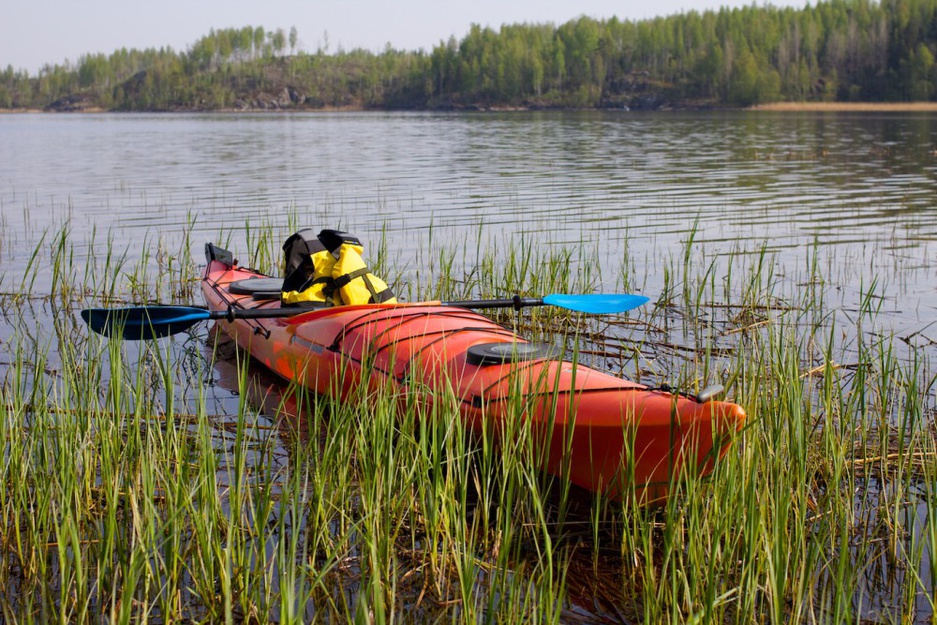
{"points": [[36, 32]]}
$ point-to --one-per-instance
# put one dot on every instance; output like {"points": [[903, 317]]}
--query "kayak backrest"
{"points": [[298, 249]]}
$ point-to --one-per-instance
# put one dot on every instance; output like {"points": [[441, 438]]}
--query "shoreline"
{"points": [[796, 107], [848, 107]]}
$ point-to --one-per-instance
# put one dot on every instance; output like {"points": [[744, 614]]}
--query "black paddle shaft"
{"points": [[517, 302]]}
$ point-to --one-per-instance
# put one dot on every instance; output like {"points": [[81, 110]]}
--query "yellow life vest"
{"points": [[353, 279], [320, 287], [333, 276]]}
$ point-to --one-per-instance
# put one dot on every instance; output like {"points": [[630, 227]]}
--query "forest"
{"points": [[836, 51]]}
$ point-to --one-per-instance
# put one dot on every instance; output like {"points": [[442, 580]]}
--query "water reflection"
{"points": [[741, 172], [862, 187]]}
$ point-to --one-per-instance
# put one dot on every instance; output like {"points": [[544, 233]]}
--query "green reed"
{"points": [[131, 491]]}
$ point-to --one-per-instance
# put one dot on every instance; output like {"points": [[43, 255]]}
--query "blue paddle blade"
{"points": [[597, 303], [143, 322]]}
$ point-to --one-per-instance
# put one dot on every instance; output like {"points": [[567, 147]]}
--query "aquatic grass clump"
{"points": [[177, 479], [813, 426]]}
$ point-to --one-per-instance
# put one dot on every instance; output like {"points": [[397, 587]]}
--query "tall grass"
{"points": [[131, 489]]}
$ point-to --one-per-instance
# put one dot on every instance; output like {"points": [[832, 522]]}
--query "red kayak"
{"points": [[604, 433]]}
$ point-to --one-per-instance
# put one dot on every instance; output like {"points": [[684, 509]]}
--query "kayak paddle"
{"points": [[135, 323], [595, 303]]}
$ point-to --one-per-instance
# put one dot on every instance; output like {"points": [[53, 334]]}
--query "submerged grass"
{"points": [[131, 490]]}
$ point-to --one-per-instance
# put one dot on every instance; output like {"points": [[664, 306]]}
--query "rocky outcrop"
{"points": [[74, 103], [288, 98]]}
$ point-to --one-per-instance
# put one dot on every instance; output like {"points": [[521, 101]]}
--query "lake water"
{"points": [[861, 187], [855, 193]]}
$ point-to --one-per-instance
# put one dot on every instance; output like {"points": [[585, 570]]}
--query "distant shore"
{"points": [[848, 106], [928, 107]]}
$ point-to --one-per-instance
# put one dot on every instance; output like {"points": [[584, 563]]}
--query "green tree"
{"points": [[743, 86], [278, 41], [258, 42], [922, 71], [94, 71]]}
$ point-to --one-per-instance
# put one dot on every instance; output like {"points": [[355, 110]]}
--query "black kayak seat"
{"points": [[258, 288]]}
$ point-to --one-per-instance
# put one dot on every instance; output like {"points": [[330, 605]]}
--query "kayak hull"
{"points": [[603, 433]]}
